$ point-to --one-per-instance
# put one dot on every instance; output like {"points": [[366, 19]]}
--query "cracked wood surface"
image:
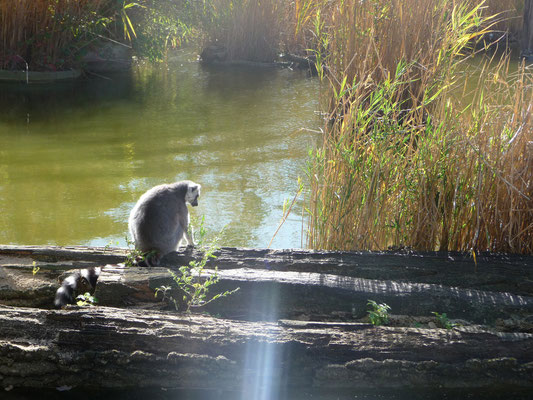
{"points": [[125, 348], [506, 273], [291, 287]]}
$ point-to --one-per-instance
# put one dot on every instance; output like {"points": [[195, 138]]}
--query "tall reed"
{"points": [[46, 34], [248, 29], [402, 162], [509, 15]]}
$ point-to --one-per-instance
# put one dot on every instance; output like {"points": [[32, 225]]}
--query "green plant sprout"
{"points": [[443, 320], [379, 313], [134, 256], [35, 268], [86, 299], [192, 282]]}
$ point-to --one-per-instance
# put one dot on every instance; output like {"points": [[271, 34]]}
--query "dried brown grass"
{"points": [[250, 30], [404, 160], [41, 32]]}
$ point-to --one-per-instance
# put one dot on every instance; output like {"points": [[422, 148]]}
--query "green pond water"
{"points": [[75, 156]]}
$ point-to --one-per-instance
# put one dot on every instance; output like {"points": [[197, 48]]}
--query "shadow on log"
{"points": [[271, 295], [505, 273]]}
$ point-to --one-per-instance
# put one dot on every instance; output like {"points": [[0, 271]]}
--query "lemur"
{"points": [[160, 219]]}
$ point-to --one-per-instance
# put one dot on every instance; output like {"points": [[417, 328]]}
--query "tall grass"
{"points": [[402, 162], [248, 29], [40, 32], [48, 34], [509, 15], [259, 30]]}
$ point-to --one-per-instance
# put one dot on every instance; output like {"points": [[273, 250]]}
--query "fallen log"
{"points": [[131, 348], [266, 294], [271, 295], [494, 272]]}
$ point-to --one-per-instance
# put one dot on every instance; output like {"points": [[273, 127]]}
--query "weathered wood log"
{"points": [[127, 348], [270, 295], [273, 294], [505, 273]]}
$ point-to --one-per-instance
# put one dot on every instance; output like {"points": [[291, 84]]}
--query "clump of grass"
{"points": [[403, 162]]}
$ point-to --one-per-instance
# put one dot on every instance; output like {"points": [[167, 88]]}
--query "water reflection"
{"points": [[74, 157]]}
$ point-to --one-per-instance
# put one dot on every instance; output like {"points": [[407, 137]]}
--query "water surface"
{"points": [[75, 156]]}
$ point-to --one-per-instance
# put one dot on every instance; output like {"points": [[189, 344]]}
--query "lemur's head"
{"points": [[193, 192]]}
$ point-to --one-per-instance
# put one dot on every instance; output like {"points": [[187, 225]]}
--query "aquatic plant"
{"points": [[406, 159]]}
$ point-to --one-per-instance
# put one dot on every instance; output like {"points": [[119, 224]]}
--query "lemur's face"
{"points": [[193, 192]]}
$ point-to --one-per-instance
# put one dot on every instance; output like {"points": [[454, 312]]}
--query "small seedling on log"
{"points": [[443, 320], [166, 291], [134, 256], [35, 268], [86, 299], [379, 313], [193, 286]]}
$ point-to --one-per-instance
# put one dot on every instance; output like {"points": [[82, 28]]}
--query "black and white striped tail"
{"points": [[68, 291]]}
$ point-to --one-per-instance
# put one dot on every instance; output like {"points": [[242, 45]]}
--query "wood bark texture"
{"points": [[292, 325], [133, 348]]}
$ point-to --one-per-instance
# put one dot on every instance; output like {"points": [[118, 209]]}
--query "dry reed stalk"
{"points": [[249, 29], [510, 15], [502, 218], [401, 164], [42, 32]]}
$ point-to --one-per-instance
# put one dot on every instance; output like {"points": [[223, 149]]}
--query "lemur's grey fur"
{"points": [[160, 219]]}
